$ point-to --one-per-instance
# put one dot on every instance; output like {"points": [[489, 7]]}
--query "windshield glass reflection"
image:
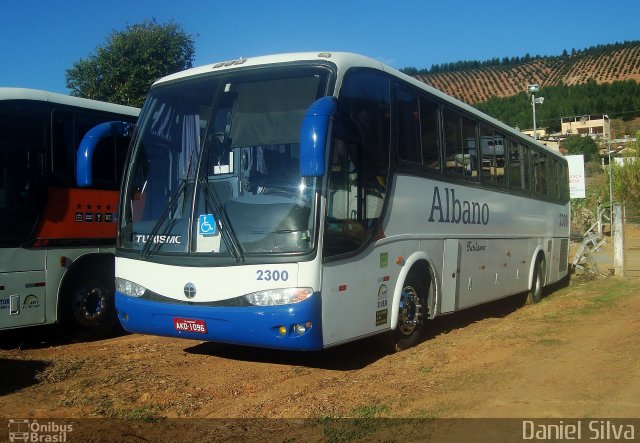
{"points": [[215, 169]]}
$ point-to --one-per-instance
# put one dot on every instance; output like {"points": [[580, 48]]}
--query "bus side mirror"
{"points": [[84, 160], [313, 136]]}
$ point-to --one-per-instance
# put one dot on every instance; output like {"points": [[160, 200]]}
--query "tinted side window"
{"points": [[564, 182], [430, 134], [461, 153], [493, 156], [359, 161], [23, 132], [108, 161], [554, 192], [518, 166], [408, 125], [63, 148], [539, 172]]}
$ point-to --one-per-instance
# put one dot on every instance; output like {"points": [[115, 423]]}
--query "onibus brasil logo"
{"points": [[34, 431]]}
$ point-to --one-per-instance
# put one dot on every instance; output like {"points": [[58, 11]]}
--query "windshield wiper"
{"points": [[224, 225], [146, 249]]}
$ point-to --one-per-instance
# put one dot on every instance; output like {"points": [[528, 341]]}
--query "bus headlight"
{"points": [[129, 288], [273, 297]]}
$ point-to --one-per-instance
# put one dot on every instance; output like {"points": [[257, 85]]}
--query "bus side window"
{"points": [[343, 179], [518, 166], [461, 153], [359, 161], [564, 182], [408, 125], [345, 231], [500, 150], [471, 150], [430, 134], [539, 173], [63, 155], [418, 138], [554, 191], [22, 193], [493, 159]]}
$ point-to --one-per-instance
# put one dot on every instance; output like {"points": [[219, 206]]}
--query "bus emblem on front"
{"points": [[190, 290]]}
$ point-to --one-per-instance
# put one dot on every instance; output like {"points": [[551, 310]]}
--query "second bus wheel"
{"points": [[91, 303], [90, 310], [412, 315], [87, 309]]}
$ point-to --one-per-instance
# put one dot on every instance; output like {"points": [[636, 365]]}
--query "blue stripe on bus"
{"points": [[250, 326]]}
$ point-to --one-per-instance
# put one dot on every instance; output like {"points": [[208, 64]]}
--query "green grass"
{"points": [[436, 411], [146, 413], [595, 296], [60, 370], [369, 411]]}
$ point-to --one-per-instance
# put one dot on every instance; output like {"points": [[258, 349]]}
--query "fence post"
{"points": [[618, 242], [599, 215]]}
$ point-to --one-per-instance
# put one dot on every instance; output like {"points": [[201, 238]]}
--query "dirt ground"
{"points": [[575, 354]]}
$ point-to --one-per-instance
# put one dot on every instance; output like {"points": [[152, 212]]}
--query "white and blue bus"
{"points": [[302, 201]]}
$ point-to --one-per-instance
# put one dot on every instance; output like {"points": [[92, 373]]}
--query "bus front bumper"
{"points": [[295, 326]]}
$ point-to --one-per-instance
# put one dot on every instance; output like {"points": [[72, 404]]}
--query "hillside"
{"points": [[603, 64]]}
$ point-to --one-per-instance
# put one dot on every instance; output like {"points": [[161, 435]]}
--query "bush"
{"points": [[626, 186], [593, 168]]}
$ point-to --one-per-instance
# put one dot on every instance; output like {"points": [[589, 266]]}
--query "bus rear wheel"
{"points": [[535, 293], [412, 314]]}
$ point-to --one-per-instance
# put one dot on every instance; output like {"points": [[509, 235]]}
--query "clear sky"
{"points": [[40, 39]]}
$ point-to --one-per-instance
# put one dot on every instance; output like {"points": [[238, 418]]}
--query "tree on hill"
{"points": [[576, 144], [124, 68], [617, 99]]}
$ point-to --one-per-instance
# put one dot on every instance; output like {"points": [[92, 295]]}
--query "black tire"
{"points": [[412, 315], [535, 293], [88, 309], [92, 303]]}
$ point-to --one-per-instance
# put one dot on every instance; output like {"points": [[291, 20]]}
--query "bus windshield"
{"points": [[215, 166]]}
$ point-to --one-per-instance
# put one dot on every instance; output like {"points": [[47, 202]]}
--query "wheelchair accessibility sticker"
{"points": [[207, 225]]}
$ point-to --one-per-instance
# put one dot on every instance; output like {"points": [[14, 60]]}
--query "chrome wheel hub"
{"points": [[411, 311]]}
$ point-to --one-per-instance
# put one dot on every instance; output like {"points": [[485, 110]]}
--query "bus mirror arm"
{"points": [[314, 135], [84, 160]]}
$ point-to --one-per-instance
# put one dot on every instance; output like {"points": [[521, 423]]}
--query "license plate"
{"points": [[189, 325]]}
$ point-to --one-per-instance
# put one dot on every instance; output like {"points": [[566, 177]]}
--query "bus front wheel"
{"points": [[91, 303], [412, 314], [87, 310]]}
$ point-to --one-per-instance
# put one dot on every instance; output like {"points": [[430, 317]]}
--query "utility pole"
{"points": [[610, 179], [532, 89]]}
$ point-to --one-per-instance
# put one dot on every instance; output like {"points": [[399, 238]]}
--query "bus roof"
{"points": [[345, 61], [341, 59], [52, 97]]}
